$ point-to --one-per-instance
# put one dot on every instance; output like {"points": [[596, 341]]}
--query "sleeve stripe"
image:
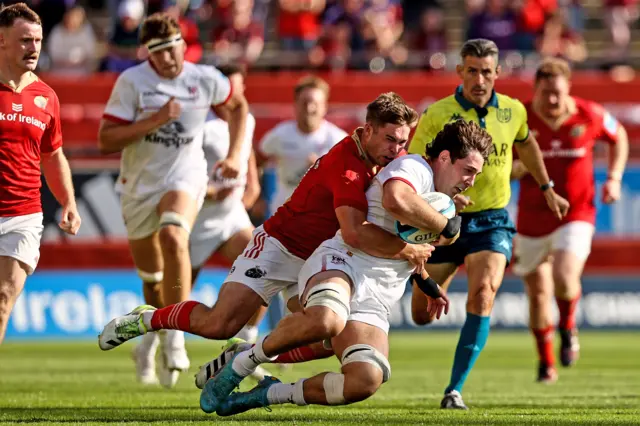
{"points": [[525, 138], [115, 119], [401, 180], [228, 96]]}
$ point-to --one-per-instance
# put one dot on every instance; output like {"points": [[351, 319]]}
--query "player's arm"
{"points": [[238, 108], [252, 190], [57, 173], [616, 135]]}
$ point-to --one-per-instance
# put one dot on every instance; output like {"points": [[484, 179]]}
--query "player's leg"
{"points": [[532, 263], [363, 350], [571, 246], [443, 274], [13, 275], [147, 258]]}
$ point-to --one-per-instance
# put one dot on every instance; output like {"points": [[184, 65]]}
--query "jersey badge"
{"points": [[503, 115], [40, 101], [577, 131]]}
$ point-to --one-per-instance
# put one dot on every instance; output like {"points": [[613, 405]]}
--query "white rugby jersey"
{"points": [[291, 148], [173, 153], [216, 148]]}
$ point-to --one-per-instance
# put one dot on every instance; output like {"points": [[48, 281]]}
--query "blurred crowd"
{"points": [[82, 37]]}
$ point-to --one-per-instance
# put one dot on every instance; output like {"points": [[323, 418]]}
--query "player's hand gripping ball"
{"points": [[441, 203]]}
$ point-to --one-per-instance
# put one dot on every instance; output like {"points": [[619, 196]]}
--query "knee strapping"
{"points": [[175, 219], [334, 388], [370, 355], [150, 277], [332, 296]]}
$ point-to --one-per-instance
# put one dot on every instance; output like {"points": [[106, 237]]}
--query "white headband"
{"points": [[156, 44]]}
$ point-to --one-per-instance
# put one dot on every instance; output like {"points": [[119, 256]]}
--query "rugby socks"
{"points": [[473, 337], [303, 354], [544, 344], [248, 333], [173, 317], [284, 393], [246, 362], [567, 310]]}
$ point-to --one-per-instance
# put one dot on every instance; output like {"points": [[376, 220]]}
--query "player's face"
{"points": [[168, 62], [22, 43], [454, 178], [551, 96], [478, 78], [384, 143], [311, 108]]}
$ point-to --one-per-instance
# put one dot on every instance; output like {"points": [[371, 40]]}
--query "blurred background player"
{"points": [[223, 225], [348, 293], [30, 141], [485, 242], [155, 116], [294, 145], [550, 253], [330, 197]]}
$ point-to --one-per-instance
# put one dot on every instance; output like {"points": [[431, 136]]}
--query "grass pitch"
{"points": [[76, 383]]}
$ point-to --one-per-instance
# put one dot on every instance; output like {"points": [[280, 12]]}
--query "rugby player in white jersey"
{"points": [[223, 225], [155, 116], [294, 145], [347, 294]]}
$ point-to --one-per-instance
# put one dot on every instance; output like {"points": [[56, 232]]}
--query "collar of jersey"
{"points": [[464, 103], [361, 152]]}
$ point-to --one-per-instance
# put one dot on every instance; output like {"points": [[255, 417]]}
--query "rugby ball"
{"points": [[440, 202]]}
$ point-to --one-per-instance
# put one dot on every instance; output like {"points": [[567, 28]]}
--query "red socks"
{"points": [[567, 310], [174, 317], [305, 353], [544, 343]]}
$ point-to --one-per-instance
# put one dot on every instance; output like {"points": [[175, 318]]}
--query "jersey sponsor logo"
{"points": [[169, 135], [16, 107], [557, 151], [21, 118], [503, 115], [337, 260], [498, 156], [256, 272]]}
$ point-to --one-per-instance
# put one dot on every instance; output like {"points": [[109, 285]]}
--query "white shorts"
{"points": [[266, 267], [212, 229], [20, 238], [141, 214], [378, 283], [530, 252]]}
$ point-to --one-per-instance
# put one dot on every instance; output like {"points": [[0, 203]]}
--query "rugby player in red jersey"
{"points": [[330, 197], [550, 253], [30, 141]]}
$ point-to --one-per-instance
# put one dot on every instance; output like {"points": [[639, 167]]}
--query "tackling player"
{"points": [[30, 141], [550, 253], [331, 196], [485, 242], [295, 145], [155, 116], [347, 294]]}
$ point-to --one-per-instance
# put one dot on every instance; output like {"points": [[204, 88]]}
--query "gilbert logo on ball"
{"points": [[441, 203]]}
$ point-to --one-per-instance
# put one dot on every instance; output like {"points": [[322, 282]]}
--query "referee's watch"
{"points": [[547, 186]]}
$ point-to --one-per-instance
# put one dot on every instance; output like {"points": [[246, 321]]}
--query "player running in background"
{"points": [[30, 141], [294, 145], [485, 242], [155, 116], [331, 196], [348, 294], [550, 253], [223, 225]]}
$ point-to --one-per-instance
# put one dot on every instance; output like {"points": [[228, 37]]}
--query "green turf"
{"points": [[76, 383]]}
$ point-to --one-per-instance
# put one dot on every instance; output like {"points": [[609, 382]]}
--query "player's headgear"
{"points": [[160, 31], [460, 138]]}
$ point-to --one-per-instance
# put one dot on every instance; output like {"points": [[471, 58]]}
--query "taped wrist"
{"points": [[428, 286], [452, 228]]}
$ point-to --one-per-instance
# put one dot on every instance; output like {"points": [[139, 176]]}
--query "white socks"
{"points": [[283, 393], [149, 344], [249, 333], [246, 362], [146, 320]]}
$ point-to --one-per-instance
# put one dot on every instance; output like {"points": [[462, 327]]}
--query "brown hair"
{"points": [[390, 108], [10, 14], [460, 138], [311, 82], [158, 25], [553, 67], [479, 48]]}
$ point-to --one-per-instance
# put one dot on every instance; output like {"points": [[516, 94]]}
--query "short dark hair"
{"points": [[479, 48], [390, 108], [10, 14], [158, 25], [553, 67], [231, 68], [460, 138]]}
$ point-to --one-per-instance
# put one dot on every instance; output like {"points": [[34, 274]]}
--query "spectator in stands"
{"points": [[559, 40], [124, 51], [342, 37], [532, 15], [299, 24], [241, 38], [430, 37], [496, 21], [618, 15], [382, 27], [188, 28], [72, 45]]}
